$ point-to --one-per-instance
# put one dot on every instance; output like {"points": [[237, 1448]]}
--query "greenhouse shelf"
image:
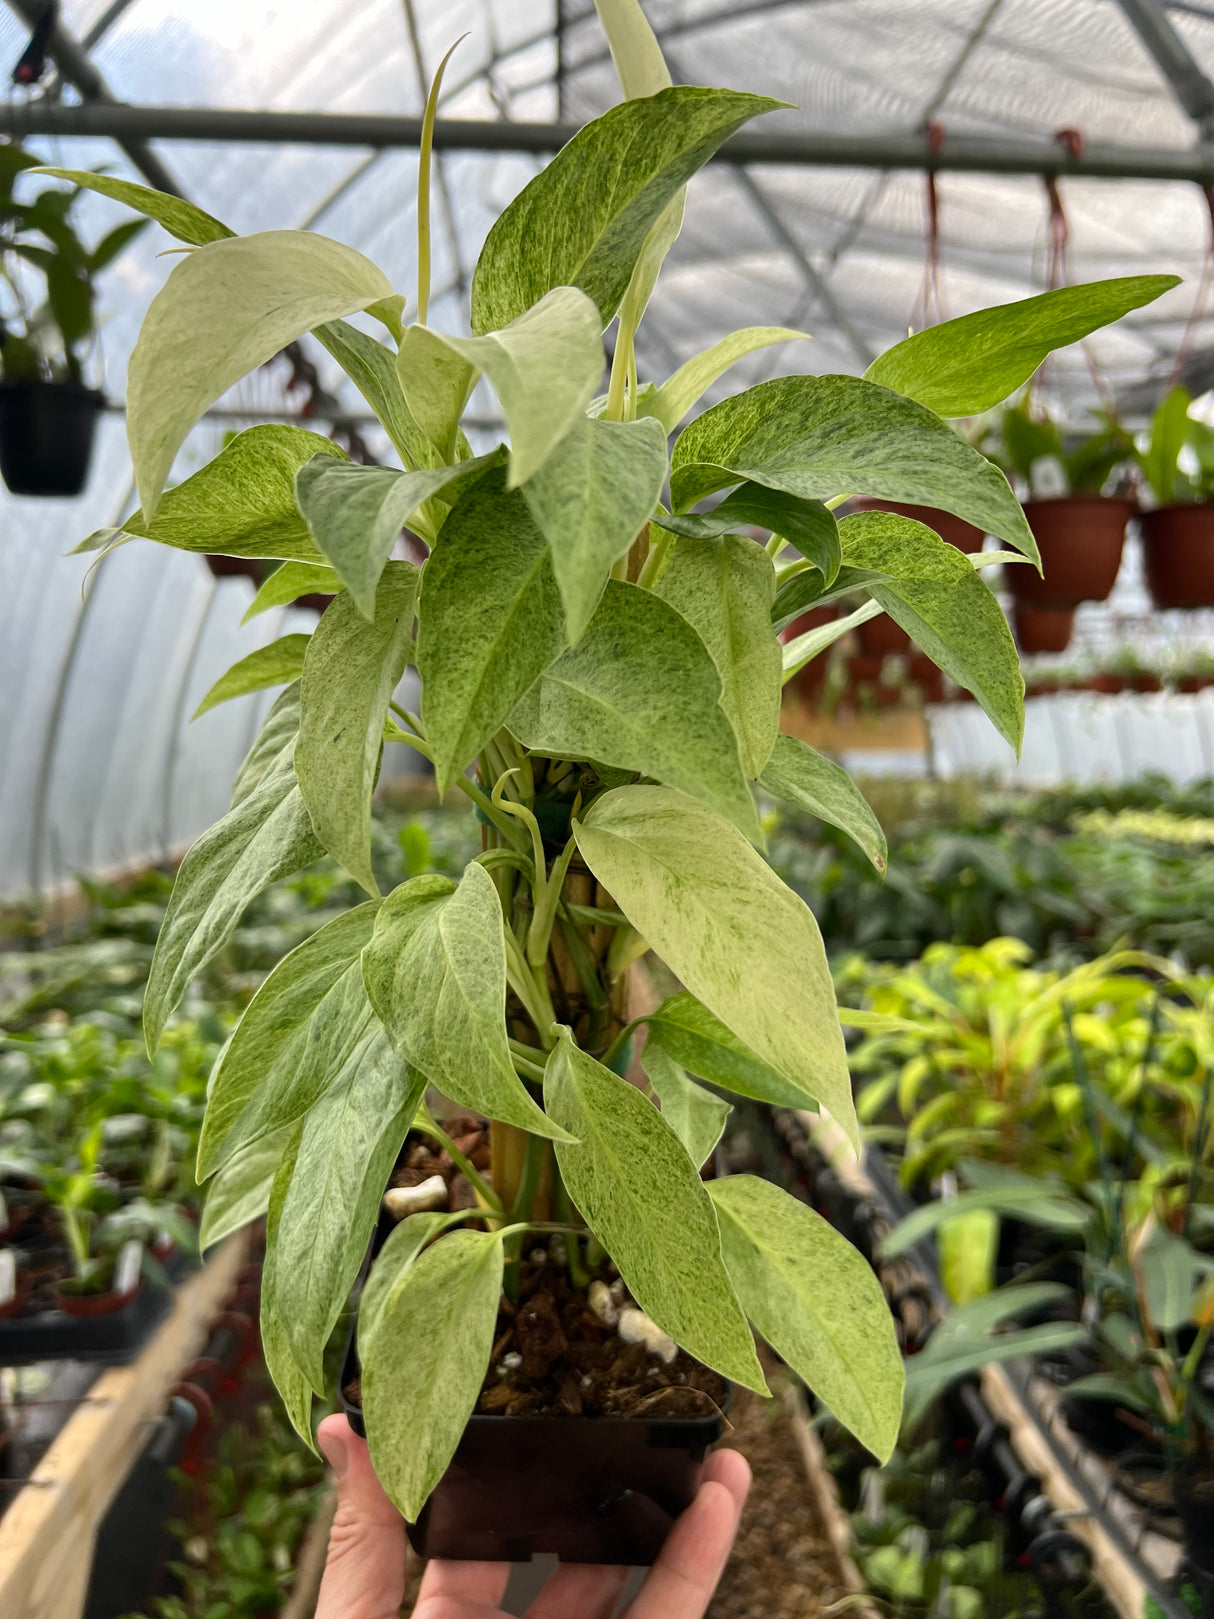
{"points": [[48, 1533]]}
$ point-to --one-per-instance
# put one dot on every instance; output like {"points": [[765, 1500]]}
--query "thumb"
{"points": [[365, 1570]]}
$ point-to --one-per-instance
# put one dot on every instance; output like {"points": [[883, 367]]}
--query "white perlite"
{"points": [[602, 1303], [636, 1328], [401, 1201]]}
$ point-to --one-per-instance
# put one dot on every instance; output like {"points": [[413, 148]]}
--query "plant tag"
{"points": [[3, 1212], [127, 1266], [8, 1275], [1048, 479]]}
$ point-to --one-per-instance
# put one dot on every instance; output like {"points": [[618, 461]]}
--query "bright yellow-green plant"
{"points": [[603, 657]]}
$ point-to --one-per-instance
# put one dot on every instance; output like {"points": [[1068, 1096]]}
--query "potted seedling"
{"points": [[1079, 529], [601, 676], [1177, 464], [48, 412]]}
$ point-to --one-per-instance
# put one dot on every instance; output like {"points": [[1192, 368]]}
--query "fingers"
{"points": [[461, 1590], [580, 1591], [680, 1584], [365, 1570]]}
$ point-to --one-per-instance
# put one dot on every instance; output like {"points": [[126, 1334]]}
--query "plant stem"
{"points": [[524, 1059], [659, 555], [425, 156], [429, 1126]]}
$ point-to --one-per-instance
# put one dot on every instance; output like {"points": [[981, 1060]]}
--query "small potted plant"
{"points": [[601, 676], [1079, 529], [48, 413], [1177, 464]]}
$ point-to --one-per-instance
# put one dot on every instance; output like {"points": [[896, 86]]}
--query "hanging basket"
{"points": [[46, 435], [955, 530], [1043, 629], [1080, 538], [1178, 555]]}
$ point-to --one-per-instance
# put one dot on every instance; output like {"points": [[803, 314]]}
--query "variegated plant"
{"points": [[601, 674]]}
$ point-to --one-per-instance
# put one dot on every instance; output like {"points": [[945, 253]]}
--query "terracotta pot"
{"points": [[1080, 538], [880, 636], [93, 1304], [865, 670], [924, 674], [1043, 629], [1194, 683], [1108, 685], [235, 568], [1178, 555], [953, 529], [1145, 681]]}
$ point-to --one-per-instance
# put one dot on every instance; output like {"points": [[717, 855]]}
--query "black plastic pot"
{"points": [[1193, 1495], [589, 1489], [112, 1338], [46, 435]]}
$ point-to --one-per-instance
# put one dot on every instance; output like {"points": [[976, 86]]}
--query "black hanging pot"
{"points": [[1193, 1494], [46, 435]]}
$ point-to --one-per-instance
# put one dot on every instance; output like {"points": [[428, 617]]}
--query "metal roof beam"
{"points": [[79, 70], [1185, 75], [804, 149]]}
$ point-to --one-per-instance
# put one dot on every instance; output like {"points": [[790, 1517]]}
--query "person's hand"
{"points": [[365, 1572]]}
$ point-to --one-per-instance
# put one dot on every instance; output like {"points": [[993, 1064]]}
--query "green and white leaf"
{"points": [[351, 670], [942, 603], [695, 1115], [808, 589], [181, 219], [401, 1247], [725, 589], [435, 972], [817, 1302], [308, 1025], [437, 382], [640, 692], [290, 582], [490, 621], [590, 500], [807, 525], [820, 437], [240, 1191], [584, 220], [293, 1387], [973, 363], [639, 1192], [424, 1359], [265, 836], [350, 1141], [545, 367], [276, 664], [799, 775], [742, 943], [274, 745], [695, 1039], [671, 402], [812, 643], [355, 517], [242, 504], [225, 309]]}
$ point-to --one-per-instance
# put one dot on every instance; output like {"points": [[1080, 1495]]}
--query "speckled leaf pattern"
{"points": [[725, 588], [545, 367], [945, 607], [240, 1191], [801, 775], [583, 220], [817, 1302], [424, 1359], [435, 971], [671, 402], [355, 517], [436, 381], [700, 1042], [742, 943], [351, 670], [350, 1141], [276, 664], [289, 583], [274, 746], [265, 836], [242, 504], [293, 1387], [640, 692], [180, 218], [971, 364], [641, 1195], [807, 525], [695, 1115], [309, 1019], [490, 621], [590, 500], [820, 437], [401, 1247], [225, 309]]}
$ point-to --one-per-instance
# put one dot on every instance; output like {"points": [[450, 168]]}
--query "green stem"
{"points": [[774, 546], [617, 1045], [524, 1060], [620, 363], [579, 1277], [659, 555], [547, 897], [429, 1126], [423, 188]]}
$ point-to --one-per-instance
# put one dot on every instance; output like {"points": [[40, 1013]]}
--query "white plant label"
{"points": [[8, 1275], [128, 1266]]}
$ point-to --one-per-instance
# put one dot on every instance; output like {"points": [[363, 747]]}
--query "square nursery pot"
{"points": [[1043, 629], [1178, 555], [46, 435], [1080, 538], [953, 529], [589, 1489]]}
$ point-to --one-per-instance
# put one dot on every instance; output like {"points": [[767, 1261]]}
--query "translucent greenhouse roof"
{"points": [[100, 671]]}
